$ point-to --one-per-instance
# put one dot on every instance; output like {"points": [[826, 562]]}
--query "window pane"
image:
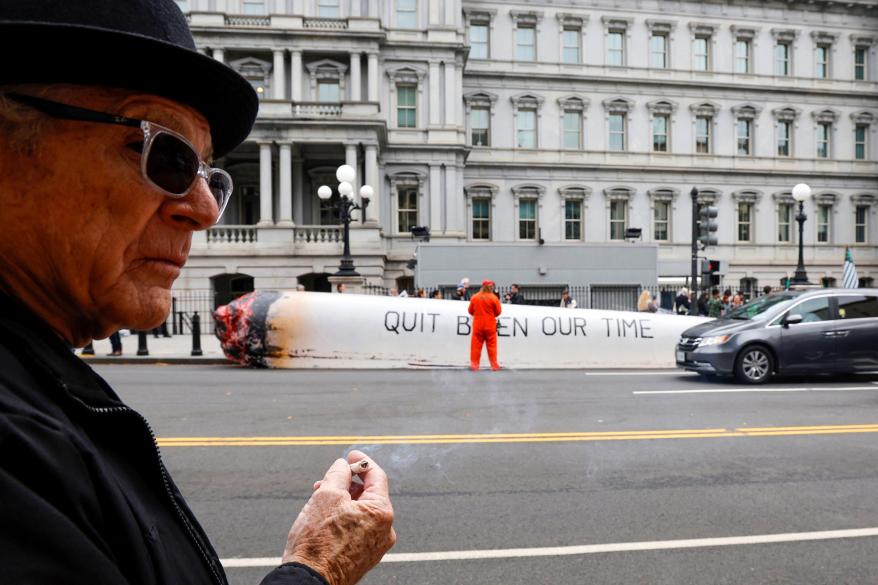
{"points": [[702, 135], [784, 221], [615, 49], [860, 224], [742, 56], [327, 92], [661, 220], [783, 139], [407, 13], [406, 106], [570, 41], [572, 220], [823, 217], [782, 59], [699, 51], [823, 131], [658, 51], [527, 215], [813, 310], [254, 6], [481, 219], [743, 136], [572, 130], [822, 62], [617, 132], [744, 221], [857, 307], [525, 43], [860, 142], [660, 134], [860, 64], [328, 9], [480, 120], [408, 209], [527, 136], [618, 211], [478, 36]]}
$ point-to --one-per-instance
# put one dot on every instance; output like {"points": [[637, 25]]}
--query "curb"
{"points": [[122, 360]]}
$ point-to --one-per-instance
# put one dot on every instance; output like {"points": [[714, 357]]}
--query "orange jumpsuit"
{"points": [[485, 308]]}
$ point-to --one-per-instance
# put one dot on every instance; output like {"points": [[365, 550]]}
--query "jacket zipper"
{"points": [[189, 529]]}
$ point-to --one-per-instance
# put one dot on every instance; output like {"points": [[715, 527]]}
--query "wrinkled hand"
{"points": [[345, 528]]}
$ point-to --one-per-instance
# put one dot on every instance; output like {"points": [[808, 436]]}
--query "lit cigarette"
{"points": [[360, 467]]}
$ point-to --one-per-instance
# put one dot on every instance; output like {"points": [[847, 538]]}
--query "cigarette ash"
{"points": [[241, 327]]}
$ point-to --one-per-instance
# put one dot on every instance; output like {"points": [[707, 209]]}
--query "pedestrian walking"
{"points": [[715, 305], [115, 344], [567, 301], [485, 308], [682, 304], [701, 304]]}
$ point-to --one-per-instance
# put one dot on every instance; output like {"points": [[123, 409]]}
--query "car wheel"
{"points": [[754, 365]]}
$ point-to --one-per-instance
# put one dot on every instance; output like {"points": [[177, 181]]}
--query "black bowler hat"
{"points": [[143, 45]]}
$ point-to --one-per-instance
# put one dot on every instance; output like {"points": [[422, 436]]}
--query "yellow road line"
{"points": [[307, 441]]}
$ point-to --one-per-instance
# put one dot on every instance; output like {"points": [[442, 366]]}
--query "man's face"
{"points": [[514, 290], [99, 243]]}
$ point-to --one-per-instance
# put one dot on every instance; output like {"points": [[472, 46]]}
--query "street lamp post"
{"points": [[800, 193], [346, 206]]}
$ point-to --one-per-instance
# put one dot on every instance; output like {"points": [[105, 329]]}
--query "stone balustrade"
{"points": [[232, 234]]}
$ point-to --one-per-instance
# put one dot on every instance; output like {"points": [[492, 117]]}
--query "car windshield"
{"points": [[757, 307]]}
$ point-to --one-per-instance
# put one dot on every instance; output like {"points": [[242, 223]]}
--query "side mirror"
{"points": [[792, 320]]}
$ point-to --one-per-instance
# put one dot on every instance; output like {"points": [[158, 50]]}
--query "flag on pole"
{"points": [[849, 278]]}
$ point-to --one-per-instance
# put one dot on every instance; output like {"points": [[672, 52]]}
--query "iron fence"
{"points": [[185, 303], [606, 297]]}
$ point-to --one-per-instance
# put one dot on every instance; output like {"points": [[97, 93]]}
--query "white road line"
{"points": [[734, 390], [588, 549], [661, 373]]}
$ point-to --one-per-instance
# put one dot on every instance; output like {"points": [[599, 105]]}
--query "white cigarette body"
{"points": [[361, 466]]}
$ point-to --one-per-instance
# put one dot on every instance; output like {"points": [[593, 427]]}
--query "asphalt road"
{"points": [[637, 461]]}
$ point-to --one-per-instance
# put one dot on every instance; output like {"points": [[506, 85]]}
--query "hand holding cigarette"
{"points": [[345, 528]]}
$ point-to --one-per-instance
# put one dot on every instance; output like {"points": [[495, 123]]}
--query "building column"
{"points": [[435, 198], [296, 77], [356, 83], [450, 100], [298, 190], [219, 55], [286, 186], [435, 111], [265, 181], [355, 8], [278, 78], [373, 77], [373, 214], [350, 159]]}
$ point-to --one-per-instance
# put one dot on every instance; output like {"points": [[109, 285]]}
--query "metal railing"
{"points": [[185, 303], [605, 297]]}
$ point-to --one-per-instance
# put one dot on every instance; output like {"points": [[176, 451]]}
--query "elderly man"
{"points": [[106, 134]]}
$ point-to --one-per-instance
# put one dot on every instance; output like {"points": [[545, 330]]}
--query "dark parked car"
{"points": [[807, 331]]}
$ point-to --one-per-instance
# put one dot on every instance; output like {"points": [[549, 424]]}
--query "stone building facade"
{"points": [[558, 121]]}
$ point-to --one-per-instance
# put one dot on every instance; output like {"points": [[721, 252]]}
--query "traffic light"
{"points": [[707, 228], [710, 272]]}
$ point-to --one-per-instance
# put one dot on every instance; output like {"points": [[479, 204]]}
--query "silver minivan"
{"points": [[791, 332]]}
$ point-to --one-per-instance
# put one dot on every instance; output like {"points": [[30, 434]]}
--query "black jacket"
{"points": [[516, 299], [84, 495]]}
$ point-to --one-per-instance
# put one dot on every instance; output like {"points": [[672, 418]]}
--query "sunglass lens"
{"points": [[220, 185], [172, 164]]}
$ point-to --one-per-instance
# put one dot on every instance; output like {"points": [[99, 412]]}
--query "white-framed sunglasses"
{"points": [[168, 161]]}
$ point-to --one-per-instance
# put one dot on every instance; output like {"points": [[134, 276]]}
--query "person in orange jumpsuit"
{"points": [[485, 308]]}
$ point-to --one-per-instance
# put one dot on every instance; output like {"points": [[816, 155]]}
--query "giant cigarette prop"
{"points": [[321, 330]]}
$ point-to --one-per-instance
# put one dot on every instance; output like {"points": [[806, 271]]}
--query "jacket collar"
{"points": [[31, 340]]}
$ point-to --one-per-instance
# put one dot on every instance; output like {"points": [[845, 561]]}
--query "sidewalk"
{"points": [[170, 350]]}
